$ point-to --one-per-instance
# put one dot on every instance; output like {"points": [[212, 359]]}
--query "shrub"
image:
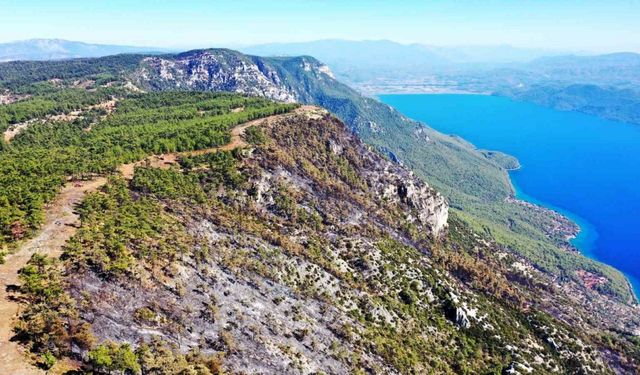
{"points": [[111, 357]]}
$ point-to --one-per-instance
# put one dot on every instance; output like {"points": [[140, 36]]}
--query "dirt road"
{"points": [[166, 160], [60, 225]]}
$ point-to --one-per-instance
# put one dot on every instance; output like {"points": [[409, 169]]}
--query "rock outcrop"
{"points": [[426, 205], [226, 70]]}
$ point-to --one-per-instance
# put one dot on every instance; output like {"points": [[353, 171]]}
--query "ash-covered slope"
{"points": [[142, 243], [304, 253], [475, 183]]}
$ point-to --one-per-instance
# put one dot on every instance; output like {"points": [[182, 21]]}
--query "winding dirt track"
{"points": [[165, 160], [60, 225]]}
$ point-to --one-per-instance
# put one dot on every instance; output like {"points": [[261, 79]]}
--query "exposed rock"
{"points": [[422, 134], [394, 158], [7, 97], [461, 318], [218, 70], [432, 209], [335, 148], [427, 206]]}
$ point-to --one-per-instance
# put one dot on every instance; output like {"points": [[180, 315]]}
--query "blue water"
{"points": [[583, 166]]}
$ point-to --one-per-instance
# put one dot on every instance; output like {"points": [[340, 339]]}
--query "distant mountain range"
{"points": [[361, 61], [551, 78], [55, 49], [621, 69], [389, 52], [607, 86], [603, 85]]}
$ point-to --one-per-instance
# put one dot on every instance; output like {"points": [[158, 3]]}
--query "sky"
{"points": [[587, 25]]}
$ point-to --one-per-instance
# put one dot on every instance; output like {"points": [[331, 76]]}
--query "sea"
{"points": [[583, 166]]}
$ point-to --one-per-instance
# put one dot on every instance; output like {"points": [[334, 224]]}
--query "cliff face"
{"points": [[426, 207], [214, 72], [449, 163], [225, 70]]}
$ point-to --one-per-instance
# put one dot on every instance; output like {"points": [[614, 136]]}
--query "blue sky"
{"points": [[587, 25]]}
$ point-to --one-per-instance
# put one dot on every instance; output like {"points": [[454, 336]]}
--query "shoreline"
{"points": [[587, 234], [377, 91], [634, 297], [584, 241]]}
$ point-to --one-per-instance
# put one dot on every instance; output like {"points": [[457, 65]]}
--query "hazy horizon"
{"points": [[593, 26], [246, 45]]}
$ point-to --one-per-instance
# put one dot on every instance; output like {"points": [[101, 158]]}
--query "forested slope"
{"points": [[304, 252], [35, 164], [308, 215], [477, 185]]}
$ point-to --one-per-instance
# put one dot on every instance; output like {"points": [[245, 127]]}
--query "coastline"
{"points": [[567, 223], [585, 239], [519, 167], [375, 90], [587, 234]]}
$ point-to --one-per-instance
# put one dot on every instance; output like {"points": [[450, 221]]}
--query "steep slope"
{"points": [[37, 164], [475, 183], [307, 248], [548, 283], [304, 253], [450, 161]]}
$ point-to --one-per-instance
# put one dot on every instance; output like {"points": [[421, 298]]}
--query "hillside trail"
{"points": [[61, 223], [237, 141], [12, 131]]}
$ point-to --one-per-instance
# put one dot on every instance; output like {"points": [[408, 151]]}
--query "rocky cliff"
{"points": [[220, 71], [226, 70]]}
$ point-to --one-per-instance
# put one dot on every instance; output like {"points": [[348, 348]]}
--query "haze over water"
{"points": [[584, 166]]}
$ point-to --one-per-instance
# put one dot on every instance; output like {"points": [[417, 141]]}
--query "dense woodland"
{"points": [[18, 75], [43, 156]]}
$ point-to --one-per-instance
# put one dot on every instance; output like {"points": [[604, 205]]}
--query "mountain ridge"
{"points": [[476, 185], [304, 210], [55, 49], [316, 235]]}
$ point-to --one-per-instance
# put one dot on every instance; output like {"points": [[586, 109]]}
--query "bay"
{"points": [[585, 167]]}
